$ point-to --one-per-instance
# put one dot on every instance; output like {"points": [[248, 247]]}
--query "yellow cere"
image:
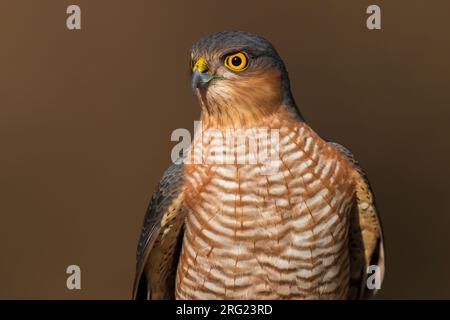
{"points": [[237, 61], [200, 65]]}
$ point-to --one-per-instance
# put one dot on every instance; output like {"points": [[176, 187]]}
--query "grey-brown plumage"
{"points": [[365, 236], [155, 270], [229, 231]]}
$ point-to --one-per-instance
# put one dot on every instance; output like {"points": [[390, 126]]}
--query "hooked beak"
{"points": [[200, 77]]}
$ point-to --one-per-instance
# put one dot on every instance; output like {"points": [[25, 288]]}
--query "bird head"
{"points": [[238, 77]]}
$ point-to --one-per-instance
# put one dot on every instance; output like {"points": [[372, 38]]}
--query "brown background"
{"points": [[86, 118]]}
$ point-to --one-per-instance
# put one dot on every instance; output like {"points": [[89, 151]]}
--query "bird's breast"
{"points": [[265, 230]]}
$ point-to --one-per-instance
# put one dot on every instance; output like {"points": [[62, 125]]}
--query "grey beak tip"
{"points": [[199, 79]]}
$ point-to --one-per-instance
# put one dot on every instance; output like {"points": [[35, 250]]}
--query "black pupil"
{"points": [[236, 61]]}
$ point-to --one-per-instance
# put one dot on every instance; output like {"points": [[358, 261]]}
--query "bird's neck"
{"points": [[217, 144], [246, 118]]}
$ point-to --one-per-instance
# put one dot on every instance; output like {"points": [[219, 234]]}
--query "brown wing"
{"points": [[160, 240], [365, 234]]}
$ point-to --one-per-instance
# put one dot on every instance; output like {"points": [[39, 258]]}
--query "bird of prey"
{"points": [[215, 230]]}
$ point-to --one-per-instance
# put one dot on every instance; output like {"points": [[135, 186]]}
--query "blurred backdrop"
{"points": [[86, 118]]}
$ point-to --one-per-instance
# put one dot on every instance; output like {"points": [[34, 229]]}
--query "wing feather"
{"points": [[160, 239], [365, 233]]}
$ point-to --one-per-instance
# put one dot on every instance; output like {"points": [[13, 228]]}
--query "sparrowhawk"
{"points": [[232, 230]]}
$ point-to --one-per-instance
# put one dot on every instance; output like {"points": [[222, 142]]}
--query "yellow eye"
{"points": [[237, 61]]}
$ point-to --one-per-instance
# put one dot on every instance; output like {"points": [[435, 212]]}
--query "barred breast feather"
{"points": [[249, 234]]}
